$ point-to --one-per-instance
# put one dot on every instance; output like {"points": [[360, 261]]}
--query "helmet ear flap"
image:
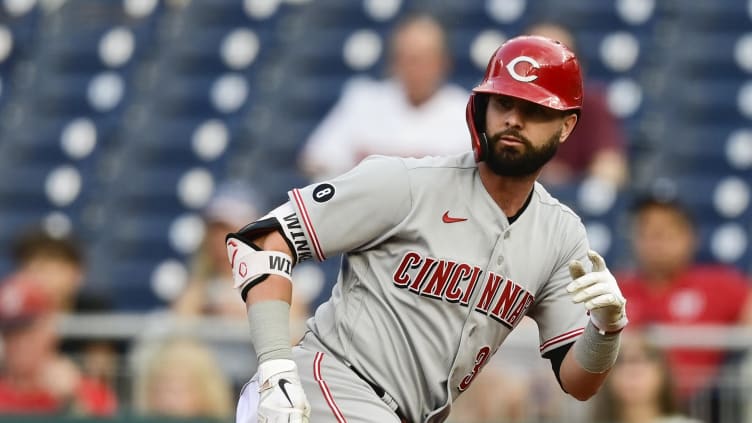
{"points": [[480, 103], [482, 146]]}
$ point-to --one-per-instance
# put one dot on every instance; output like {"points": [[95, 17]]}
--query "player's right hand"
{"points": [[281, 396]]}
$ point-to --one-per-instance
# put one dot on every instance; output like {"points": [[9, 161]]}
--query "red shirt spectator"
{"points": [[15, 401], [90, 398], [35, 377], [699, 295], [667, 288]]}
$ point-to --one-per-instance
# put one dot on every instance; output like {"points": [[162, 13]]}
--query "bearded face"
{"points": [[522, 158]]}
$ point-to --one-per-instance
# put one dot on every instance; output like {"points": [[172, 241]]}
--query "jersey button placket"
{"points": [[500, 258]]}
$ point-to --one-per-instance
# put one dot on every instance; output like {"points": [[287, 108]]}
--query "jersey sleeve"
{"points": [[351, 211], [560, 321]]}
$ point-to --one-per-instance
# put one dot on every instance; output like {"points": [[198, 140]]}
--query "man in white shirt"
{"points": [[413, 113]]}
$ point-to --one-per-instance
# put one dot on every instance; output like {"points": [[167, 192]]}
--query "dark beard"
{"points": [[509, 161]]}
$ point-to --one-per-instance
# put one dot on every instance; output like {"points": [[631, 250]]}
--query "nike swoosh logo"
{"points": [[448, 219], [282, 383]]}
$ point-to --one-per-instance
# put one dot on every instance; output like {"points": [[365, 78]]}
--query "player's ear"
{"points": [[570, 121]]}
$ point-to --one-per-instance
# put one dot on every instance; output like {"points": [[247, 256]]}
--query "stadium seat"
{"points": [[711, 55], [705, 17]]}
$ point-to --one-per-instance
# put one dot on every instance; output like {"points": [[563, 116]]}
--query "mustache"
{"points": [[511, 132]]}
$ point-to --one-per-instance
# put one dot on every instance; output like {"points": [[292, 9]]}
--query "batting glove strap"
{"points": [[606, 329], [600, 293], [281, 395], [270, 368], [251, 265]]}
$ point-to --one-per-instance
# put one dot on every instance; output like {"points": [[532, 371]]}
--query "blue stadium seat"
{"points": [[148, 188], [347, 16], [199, 52], [701, 148], [724, 242], [14, 220], [707, 55], [700, 194], [705, 100], [322, 54], [590, 46], [509, 16], [140, 235], [705, 17], [592, 15], [129, 285], [231, 13]]}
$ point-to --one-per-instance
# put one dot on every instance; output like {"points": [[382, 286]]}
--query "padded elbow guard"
{"points": [[250, 264]]}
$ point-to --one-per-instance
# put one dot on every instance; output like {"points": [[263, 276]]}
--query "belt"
{"points": [[381, 393]]}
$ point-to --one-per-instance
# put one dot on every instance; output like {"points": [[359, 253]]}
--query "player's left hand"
{"points": [[599, 292]]}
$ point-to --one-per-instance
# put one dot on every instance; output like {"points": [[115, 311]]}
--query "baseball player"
{"points": [[443, 256]]}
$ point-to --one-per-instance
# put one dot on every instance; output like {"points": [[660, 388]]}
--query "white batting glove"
{"points": [[600, 293], [281, 396]]}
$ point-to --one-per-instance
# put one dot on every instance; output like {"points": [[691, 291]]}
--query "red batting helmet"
{"points": [[532, 68]]}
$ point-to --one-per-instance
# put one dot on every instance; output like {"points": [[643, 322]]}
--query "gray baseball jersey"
{"points": [[434, 276]]}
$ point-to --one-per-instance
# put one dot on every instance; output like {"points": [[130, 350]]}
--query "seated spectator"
{"points": [[210, 289], [639, 388], [57, 263], [35, 377], [181, 378], [58, 266], [413, 113], [596, 147], [667, 287]]}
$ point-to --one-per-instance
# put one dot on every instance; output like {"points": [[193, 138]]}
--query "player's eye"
{"points": [[503, 102], [534, 111]]}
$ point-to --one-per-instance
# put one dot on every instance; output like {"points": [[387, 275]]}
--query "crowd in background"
{"points": [[414, 110]]}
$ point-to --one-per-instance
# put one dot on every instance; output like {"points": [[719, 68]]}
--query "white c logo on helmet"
{"points": [[517, 76]]}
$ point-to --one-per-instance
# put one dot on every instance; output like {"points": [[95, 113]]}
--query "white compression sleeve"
{"points": [[596, 353], [270, 329]]}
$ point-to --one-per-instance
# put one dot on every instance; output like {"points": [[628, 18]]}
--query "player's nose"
{"points": [[514, 117]]}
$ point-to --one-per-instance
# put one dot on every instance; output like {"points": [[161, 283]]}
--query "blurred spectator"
{"points": [[58, 266], [667, 287], [596, 147], [181, 378], [413, 113], [35, 377], [56, 262], [639, 388], [210, 289]]}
